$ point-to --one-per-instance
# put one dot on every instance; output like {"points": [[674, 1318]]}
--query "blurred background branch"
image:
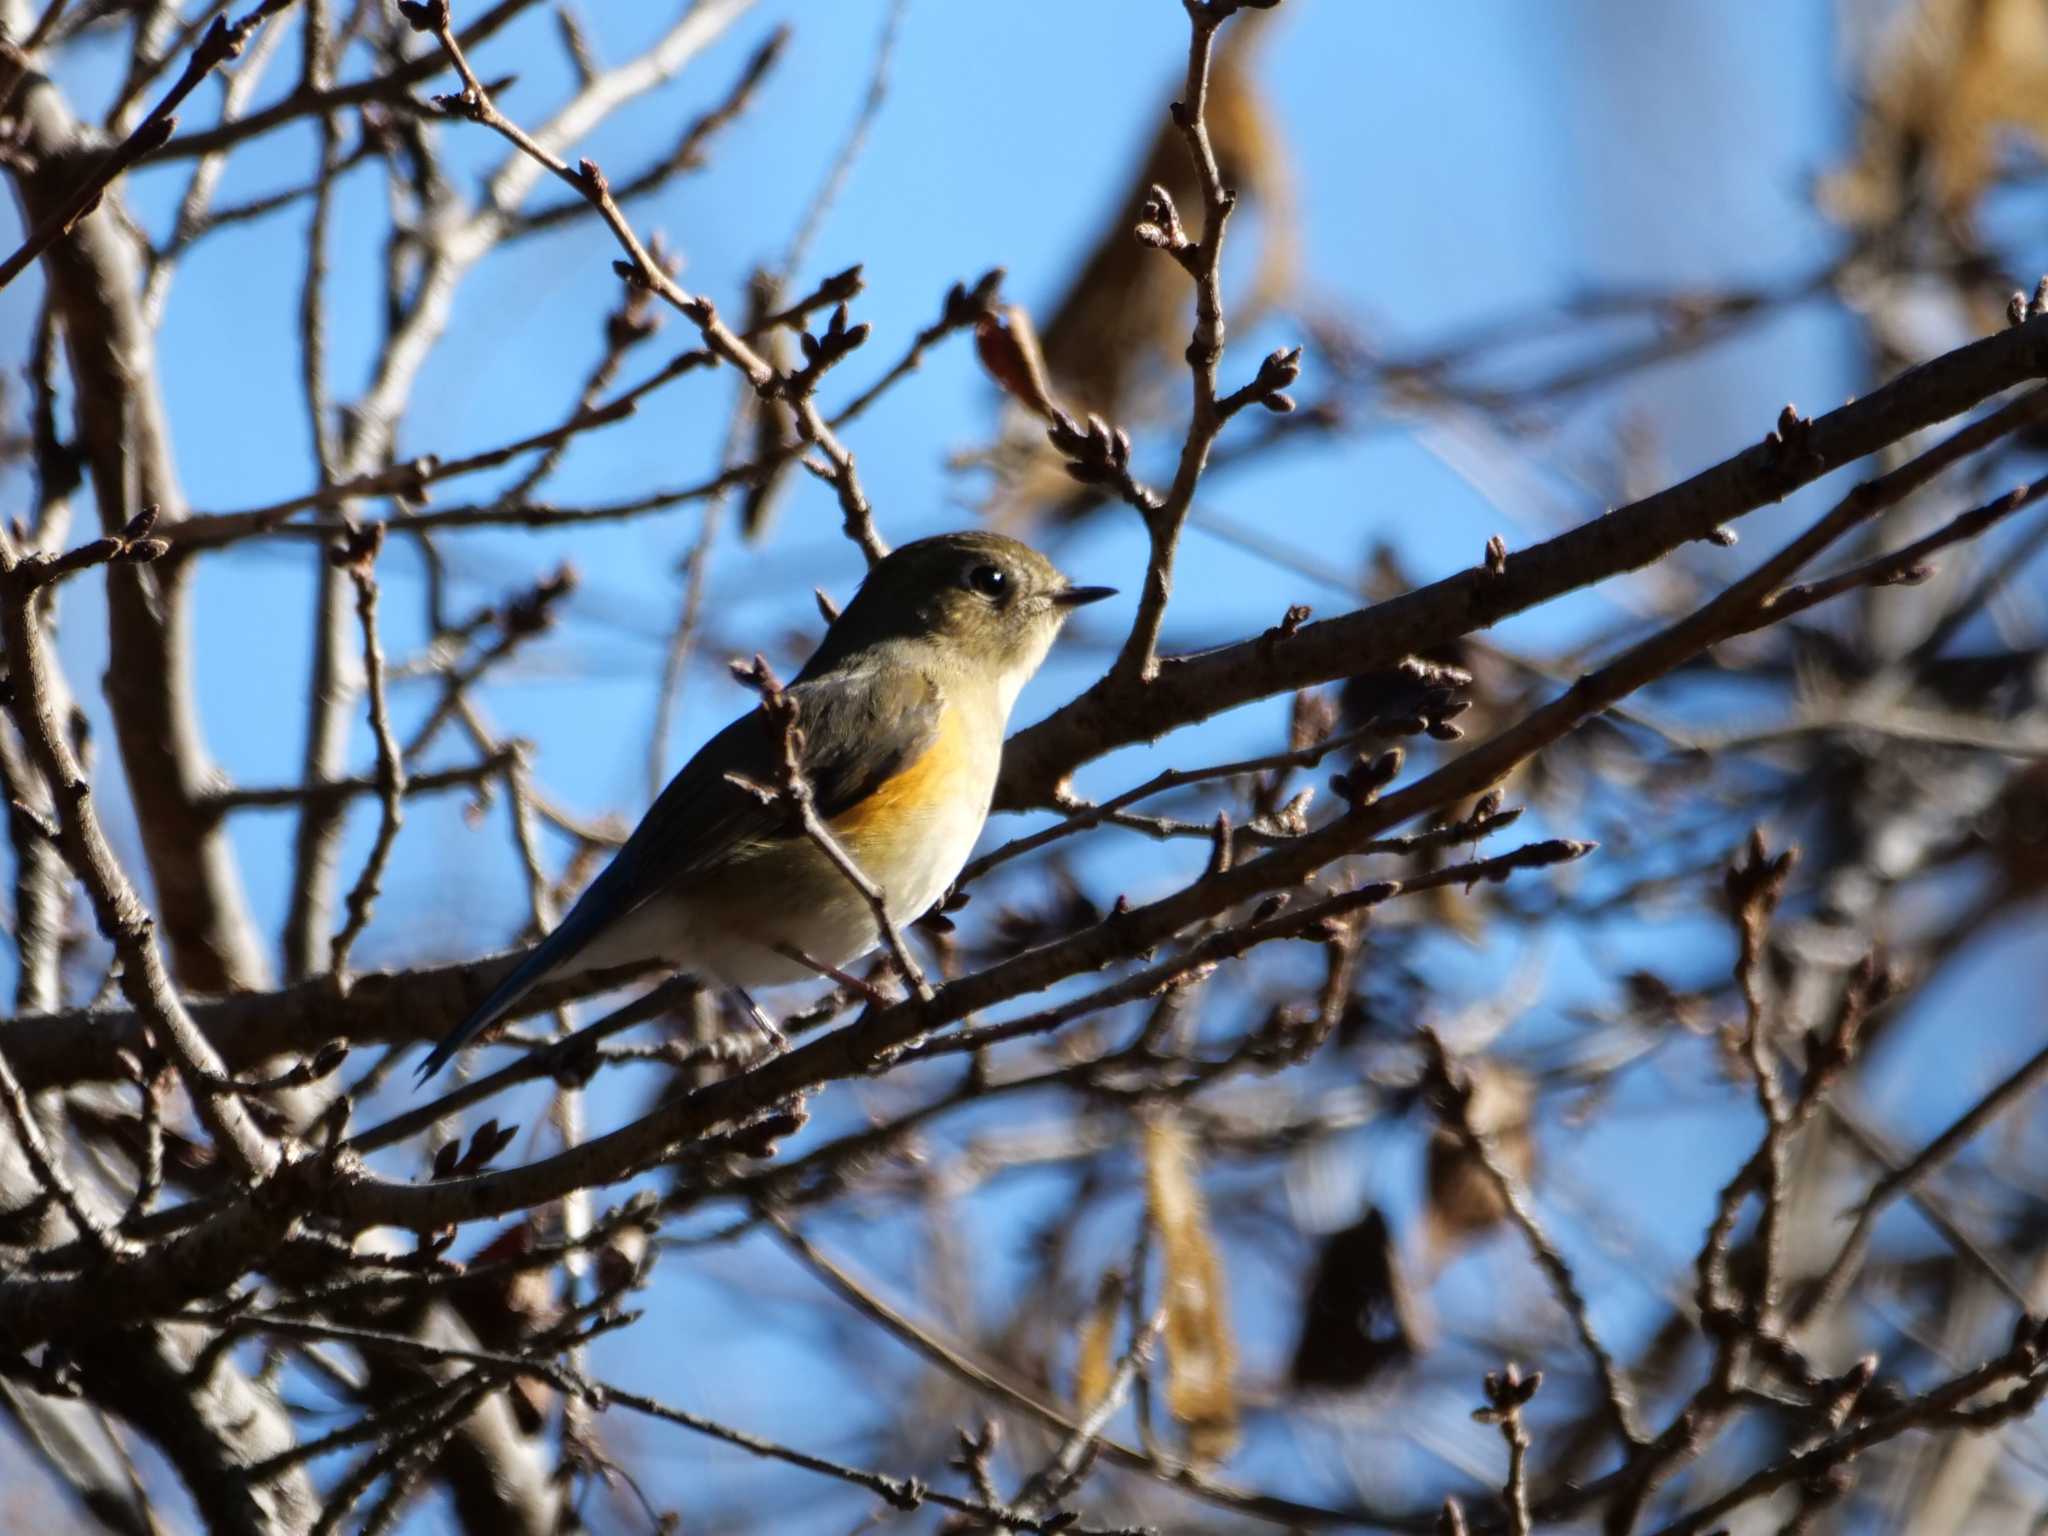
{"points": [[1271, 1106]]}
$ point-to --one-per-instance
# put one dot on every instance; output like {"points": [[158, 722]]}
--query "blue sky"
{"points": [[1458, 166]]}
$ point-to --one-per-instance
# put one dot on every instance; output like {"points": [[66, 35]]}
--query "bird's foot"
{"points": [[852, 983], [777, 1042]]}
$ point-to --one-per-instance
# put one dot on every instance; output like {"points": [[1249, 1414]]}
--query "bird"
{"points": [[901, 713]]}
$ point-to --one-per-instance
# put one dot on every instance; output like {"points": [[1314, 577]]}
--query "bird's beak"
{"points": [[1075, 597]]}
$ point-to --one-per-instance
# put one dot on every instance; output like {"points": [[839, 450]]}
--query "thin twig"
{"points": [[793, 789], [408, 480], [1507, 1392], [837, 465], [286, 796], [1203, 261], [43, 1163], [983, 1379], [1453, 1095], [820, 205], [360, 560], [1083, 817], [688, 155], [221, 43], [199, 188]]}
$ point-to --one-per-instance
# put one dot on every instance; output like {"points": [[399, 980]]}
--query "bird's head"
{"points": [[989, 606]]}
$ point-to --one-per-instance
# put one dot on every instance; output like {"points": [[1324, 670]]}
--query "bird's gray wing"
{"points": [[859, 731], [860, 728]]}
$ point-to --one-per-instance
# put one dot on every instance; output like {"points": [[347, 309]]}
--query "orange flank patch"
{"points": [[900, 807]]}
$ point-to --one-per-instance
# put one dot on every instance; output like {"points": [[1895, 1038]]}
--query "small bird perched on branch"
{"points": [[884, 750]]}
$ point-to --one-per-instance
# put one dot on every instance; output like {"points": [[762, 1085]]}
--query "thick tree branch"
{"points": [[1117, 712], [94, 282], [121, 915]]}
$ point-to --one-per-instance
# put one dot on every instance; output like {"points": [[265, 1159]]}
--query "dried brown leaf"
{"points": [[1953, 79], [1095, 1361], [1201, 1352], [1462, 1202]]}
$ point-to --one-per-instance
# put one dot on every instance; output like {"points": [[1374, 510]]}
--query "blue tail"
{"points": [[570, 936], [507, 992], [619, 888]]}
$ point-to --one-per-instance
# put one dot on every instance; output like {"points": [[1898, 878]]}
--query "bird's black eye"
{"points": [[989, 580]]}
